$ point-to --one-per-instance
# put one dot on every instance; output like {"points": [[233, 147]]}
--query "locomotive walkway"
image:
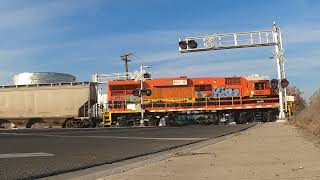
{"points": [[268, 151]]}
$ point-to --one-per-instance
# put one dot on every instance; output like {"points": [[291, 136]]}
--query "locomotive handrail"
{"points": [[217, 102]]}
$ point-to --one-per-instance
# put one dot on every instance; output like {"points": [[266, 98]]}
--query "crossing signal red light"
{"points": [[183, 44], [138, 92], [274, 83], [148, 92], [284, 83], [192, 44]]}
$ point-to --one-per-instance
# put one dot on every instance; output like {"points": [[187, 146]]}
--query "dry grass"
{"points": [[309, 118]]}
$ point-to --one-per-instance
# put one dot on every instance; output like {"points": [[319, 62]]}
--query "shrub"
{"points": [[309, 118]]}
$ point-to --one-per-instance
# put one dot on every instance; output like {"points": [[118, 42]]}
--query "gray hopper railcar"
{"points": [[71, 105]]}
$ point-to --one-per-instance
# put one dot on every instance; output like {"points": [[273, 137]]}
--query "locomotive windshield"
{"points": [[259, 86]]}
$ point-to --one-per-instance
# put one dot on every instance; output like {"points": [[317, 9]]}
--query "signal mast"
{"points": [[212, 42]]}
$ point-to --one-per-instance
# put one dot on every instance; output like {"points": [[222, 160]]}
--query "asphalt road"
{"points": [[30, 154]]}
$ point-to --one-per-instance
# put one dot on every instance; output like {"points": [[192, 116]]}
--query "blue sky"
{"points": [[83, 37]]}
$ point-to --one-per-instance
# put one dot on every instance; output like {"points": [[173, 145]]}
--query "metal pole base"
{"points": [[141, 123], [281, 121], [282, 118]]}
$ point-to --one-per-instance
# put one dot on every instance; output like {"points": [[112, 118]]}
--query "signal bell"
{"points": [[191, 44], [147, 75]]}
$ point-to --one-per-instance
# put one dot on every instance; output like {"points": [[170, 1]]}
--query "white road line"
{"points": [[111, 137], [23, 155], [145, 138], [131, 137]]}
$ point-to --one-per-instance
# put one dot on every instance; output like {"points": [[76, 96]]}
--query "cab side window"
{"points": [[259, 86], [206, 87]]}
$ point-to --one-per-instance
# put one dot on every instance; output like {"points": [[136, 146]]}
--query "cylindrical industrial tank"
{"points": [[42, 78]]}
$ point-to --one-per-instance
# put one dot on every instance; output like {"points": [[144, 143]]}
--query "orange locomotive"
{"points": [[246, 99]]}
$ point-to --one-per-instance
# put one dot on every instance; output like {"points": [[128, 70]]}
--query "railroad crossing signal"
{"points": [[243, 40], [140, 75], [227, 41]]}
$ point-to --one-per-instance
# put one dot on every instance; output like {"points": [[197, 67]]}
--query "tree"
{"points": [[315, 99], [309, 117]]}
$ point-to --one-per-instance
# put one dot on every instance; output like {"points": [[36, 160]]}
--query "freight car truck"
{"points": [[70, 105]]}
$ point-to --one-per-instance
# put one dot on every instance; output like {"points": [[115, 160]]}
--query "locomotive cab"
{"points": [[260, 87]]}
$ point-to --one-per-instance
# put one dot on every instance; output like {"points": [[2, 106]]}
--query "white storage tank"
{"points": [[42, 78]]}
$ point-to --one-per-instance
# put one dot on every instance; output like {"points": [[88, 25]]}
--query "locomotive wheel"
{"points": [[71, 123], [90, 124], [86, 124]]}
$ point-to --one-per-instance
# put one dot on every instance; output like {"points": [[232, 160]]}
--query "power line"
{"points": [[140, 60]]}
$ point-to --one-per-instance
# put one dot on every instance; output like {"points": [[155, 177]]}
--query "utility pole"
{"points": [[125, 58]]}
